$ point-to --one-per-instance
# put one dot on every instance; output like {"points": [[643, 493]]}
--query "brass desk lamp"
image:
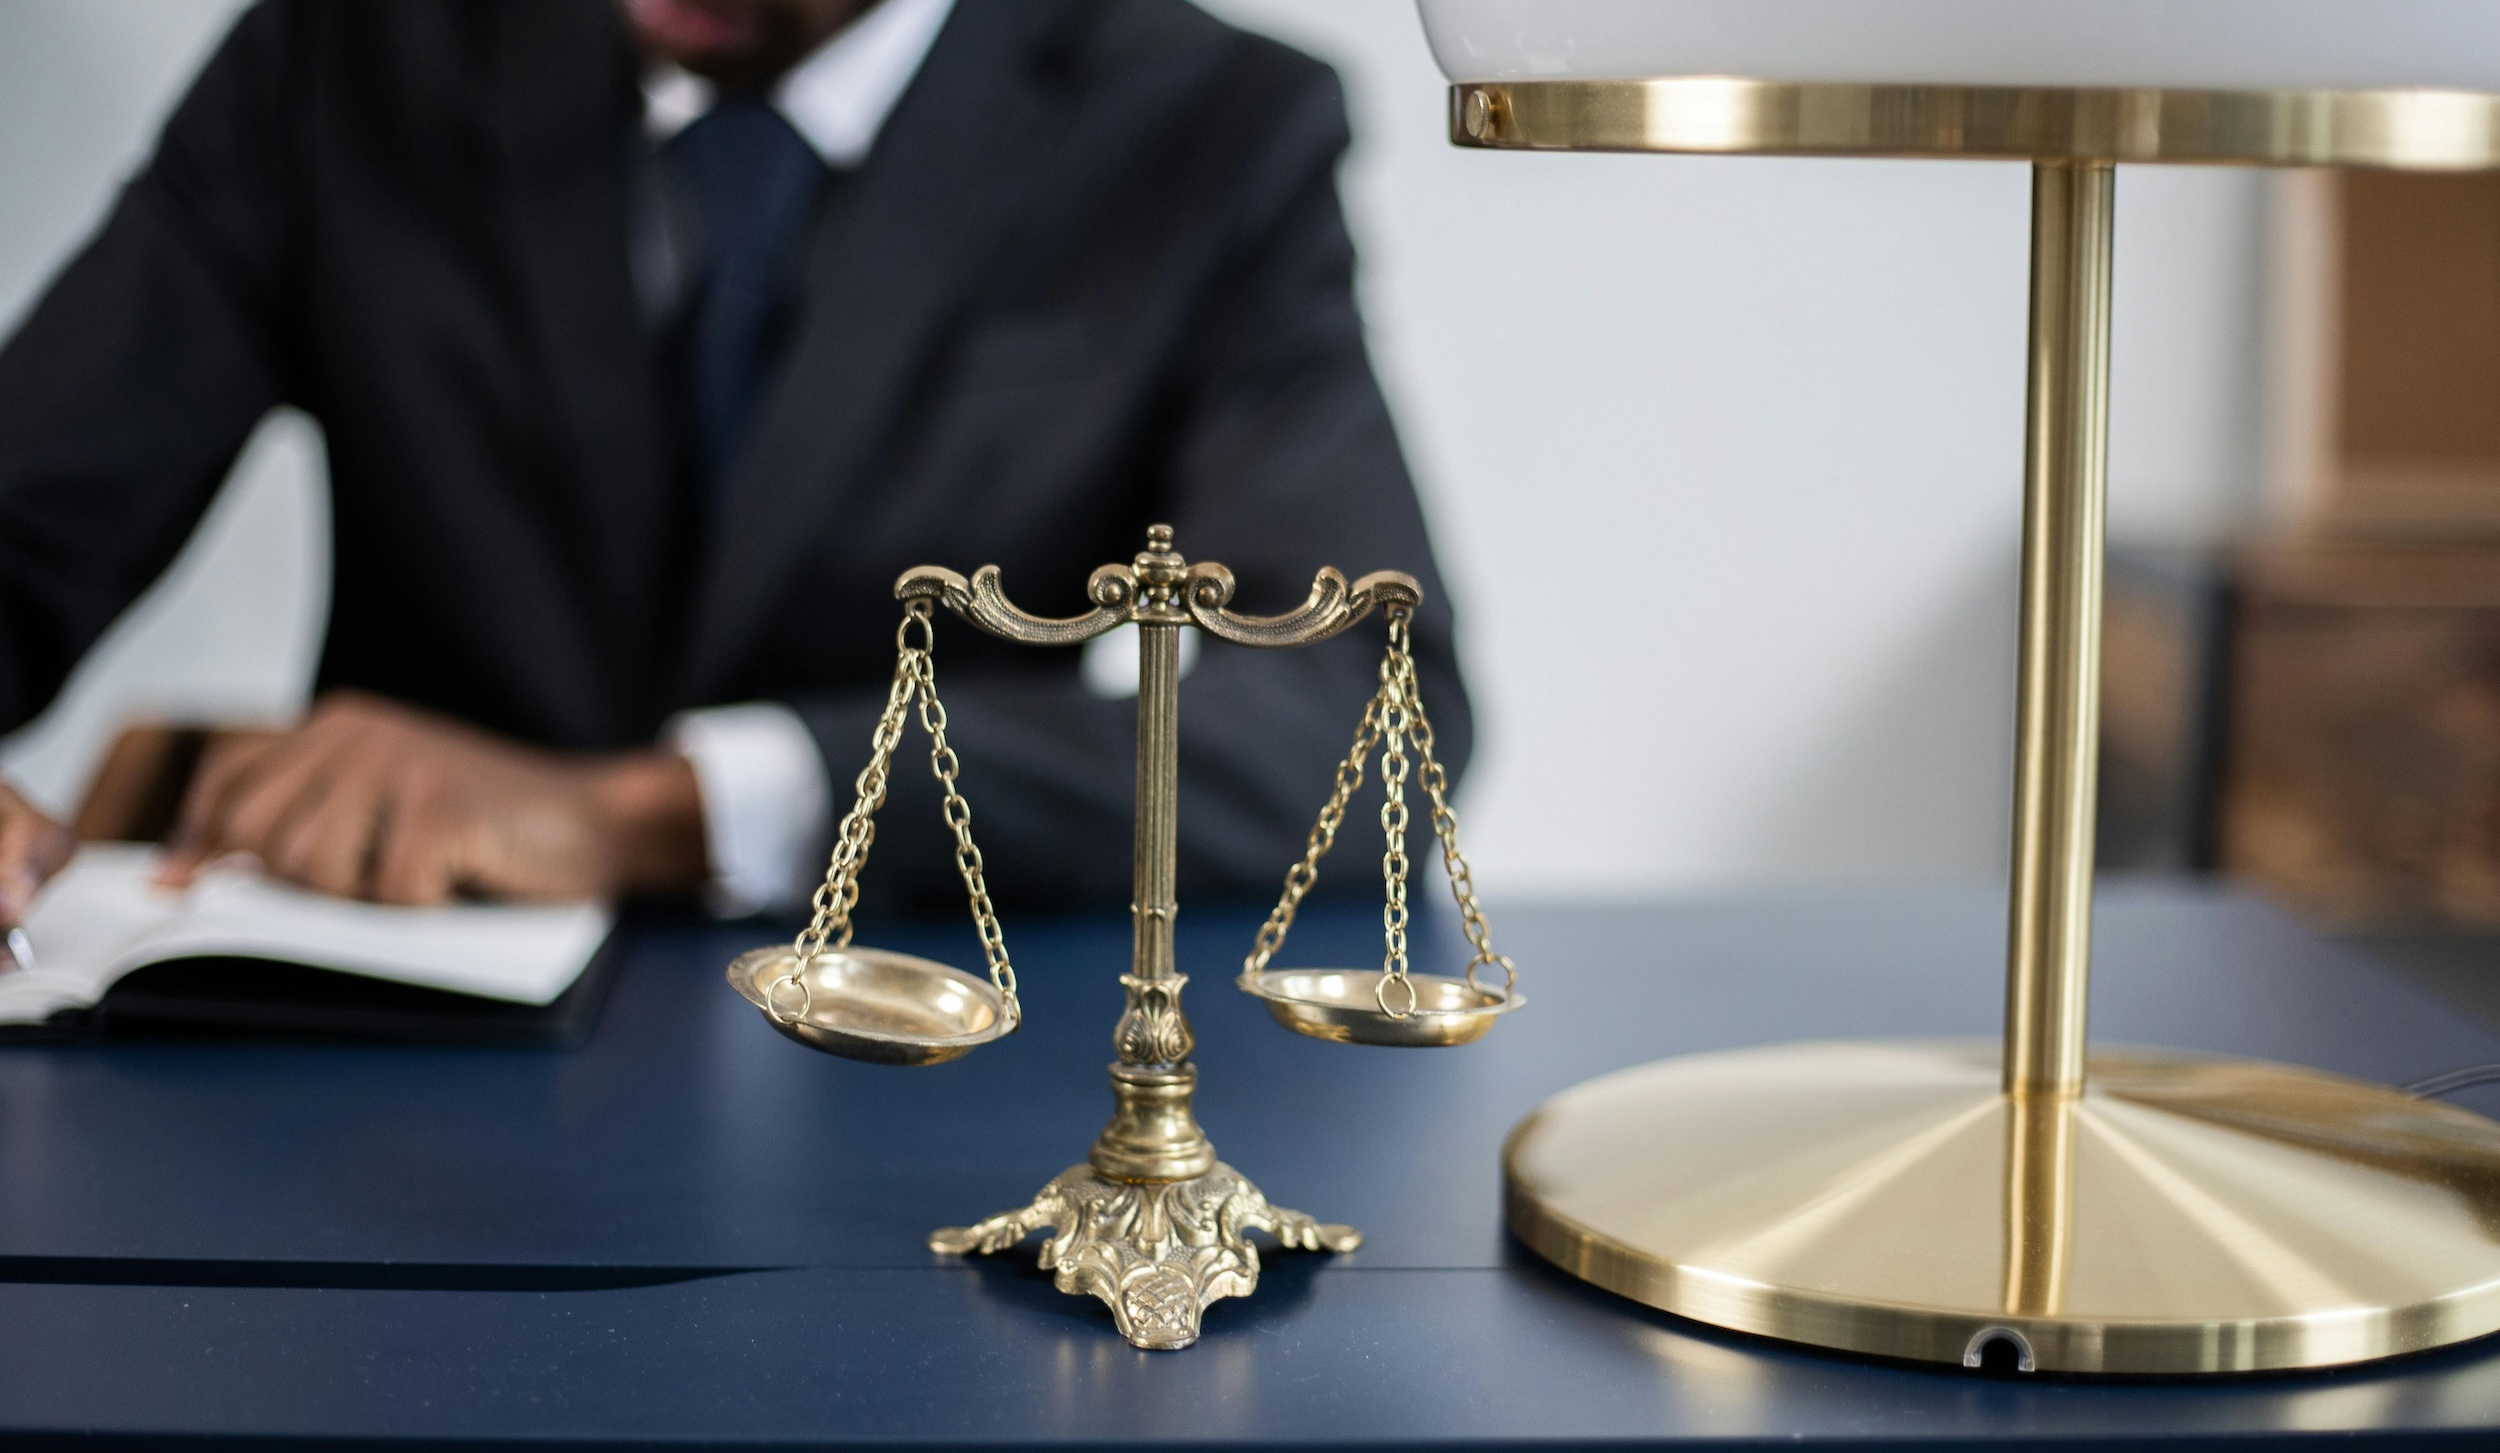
{"points": [[2137, 1211]]}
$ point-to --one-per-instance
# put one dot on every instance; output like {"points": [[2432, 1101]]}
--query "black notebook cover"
{"points": [[224, 997]]}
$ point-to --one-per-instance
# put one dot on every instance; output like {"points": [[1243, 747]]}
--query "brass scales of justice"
{"points": [[1152, 1223]]}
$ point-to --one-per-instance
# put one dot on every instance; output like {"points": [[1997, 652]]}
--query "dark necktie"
{"points": [[752, 181]]}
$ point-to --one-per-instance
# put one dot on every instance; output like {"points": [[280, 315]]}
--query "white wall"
{"points": [[1723, 456]]}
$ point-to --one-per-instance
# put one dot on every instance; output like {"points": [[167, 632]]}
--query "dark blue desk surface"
{"points": [[696, 1230]]}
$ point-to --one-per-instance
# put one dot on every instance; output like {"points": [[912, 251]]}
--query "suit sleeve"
{"points": [[1284, 459], [140, 372]]}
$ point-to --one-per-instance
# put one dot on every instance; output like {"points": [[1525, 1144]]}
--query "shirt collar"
{"points": [[838, 98]]}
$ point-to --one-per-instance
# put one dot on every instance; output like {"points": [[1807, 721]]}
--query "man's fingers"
{"points": [[290, 781], [414, 859], [228, 764], [53, 848], [329, 839], [375, 800], [32, 848], [258, 813]]}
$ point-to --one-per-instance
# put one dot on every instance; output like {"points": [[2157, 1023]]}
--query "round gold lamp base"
{"points": [[2183, 1215]]}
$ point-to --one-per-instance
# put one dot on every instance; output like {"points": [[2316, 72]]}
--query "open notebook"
{"points": [[112, 951]]}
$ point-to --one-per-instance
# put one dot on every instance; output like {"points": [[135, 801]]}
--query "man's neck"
{"points": [[838, 96], [742, 47]]}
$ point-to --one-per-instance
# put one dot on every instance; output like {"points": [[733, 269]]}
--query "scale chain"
{"points": [[830, 924], [915, 683], [1394, 717], [1300, 877], [1436, 784], [1399, 698], [958, 812]]}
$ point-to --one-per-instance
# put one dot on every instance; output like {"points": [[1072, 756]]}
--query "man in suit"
{"points": [[651, 339]]}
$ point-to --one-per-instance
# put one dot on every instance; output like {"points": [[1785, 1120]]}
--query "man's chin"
{"points": [[694, 34]]}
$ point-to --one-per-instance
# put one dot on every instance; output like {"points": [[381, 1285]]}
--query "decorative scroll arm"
{"points": [[983, 602], [1331, 607]]}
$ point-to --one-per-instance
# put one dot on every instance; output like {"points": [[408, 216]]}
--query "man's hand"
{"points": [[32, 848], [372, 799]]}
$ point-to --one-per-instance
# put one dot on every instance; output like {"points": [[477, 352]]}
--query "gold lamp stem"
{"points": [[2057, 731]]}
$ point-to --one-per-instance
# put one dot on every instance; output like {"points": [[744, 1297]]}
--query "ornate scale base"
{"points": [[2183, 1214], [1156, 1252]]}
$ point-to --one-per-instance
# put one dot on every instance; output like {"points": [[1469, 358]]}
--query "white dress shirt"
{"points": [[837, 98], [767, 800]]}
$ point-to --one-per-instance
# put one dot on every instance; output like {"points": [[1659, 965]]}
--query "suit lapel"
{"points": [[888, 268]]}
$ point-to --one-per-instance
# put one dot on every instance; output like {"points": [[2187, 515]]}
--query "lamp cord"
{"points": [[2438, 1086]]}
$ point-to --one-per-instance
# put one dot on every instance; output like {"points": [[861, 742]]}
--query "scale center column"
{"points": [[1152, 1135]]}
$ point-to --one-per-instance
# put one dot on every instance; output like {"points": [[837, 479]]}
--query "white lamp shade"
{"points": [[2198, 44]]}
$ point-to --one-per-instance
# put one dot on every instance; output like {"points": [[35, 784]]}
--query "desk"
{"points": [[693, 1230]]}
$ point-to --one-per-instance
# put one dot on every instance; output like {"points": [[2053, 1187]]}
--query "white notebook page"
{"points": [[103, 916]]}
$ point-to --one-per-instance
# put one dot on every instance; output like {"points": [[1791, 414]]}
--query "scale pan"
{"points": [[1340, 1005], [868, 1004]]}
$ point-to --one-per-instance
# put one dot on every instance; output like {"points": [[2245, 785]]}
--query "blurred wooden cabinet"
{"points": [[2318, 709], [2383, 375], [2320, 716]]}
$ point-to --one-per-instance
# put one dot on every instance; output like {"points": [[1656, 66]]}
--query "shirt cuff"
{"points": [[767, 805]]}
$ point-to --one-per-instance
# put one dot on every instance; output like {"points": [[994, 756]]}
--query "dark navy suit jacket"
{"points": [[1093, 275]]}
